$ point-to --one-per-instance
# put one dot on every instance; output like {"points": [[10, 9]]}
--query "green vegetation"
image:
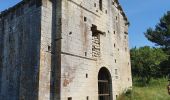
{"points": [[155, 90], [146, 63], [150, 65], [160, 35]]}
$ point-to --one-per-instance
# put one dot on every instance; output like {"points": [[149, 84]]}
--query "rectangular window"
{"points": [[116, 74], [69, 98], [87, 98], [95, 41], [100, 5], [95, 45], [116, 71]]}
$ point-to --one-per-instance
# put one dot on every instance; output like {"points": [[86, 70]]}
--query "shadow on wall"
{"points": [[56, 51]]}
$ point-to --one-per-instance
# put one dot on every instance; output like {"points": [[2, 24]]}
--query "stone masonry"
{"points": [[64, 50]]}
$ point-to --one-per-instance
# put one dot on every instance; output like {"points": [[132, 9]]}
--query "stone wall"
{"points": [[19, 51], [77, 61], [48, 50], [50, 60]]}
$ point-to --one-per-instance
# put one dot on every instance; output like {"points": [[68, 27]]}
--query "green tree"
{"points": [[145, 62], [160, 35]]}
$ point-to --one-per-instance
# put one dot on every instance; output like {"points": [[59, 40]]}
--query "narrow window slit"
{"points": [[49, 48], [85, 19], [86, 75], [69, 98], [100, 4]]}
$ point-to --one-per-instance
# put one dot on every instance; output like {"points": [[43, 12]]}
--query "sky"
{"points": [[141, 14]]}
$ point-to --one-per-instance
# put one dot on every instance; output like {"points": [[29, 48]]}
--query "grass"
{"points": [[156, 90]]}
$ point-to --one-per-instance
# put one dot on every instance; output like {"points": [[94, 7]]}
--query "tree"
{"points": [[161, 34], [145, 62], [161, 37]]}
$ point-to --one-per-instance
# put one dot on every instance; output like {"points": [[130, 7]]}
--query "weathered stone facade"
{"points": [[64, 50]]}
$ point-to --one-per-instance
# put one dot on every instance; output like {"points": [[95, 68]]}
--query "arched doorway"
{"points": [[104, 84]]}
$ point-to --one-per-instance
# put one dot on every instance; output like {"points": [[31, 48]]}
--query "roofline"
{"points": [[8, 10], [13, 8], [121, 9]]}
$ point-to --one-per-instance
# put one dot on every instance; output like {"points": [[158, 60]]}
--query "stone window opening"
{"points": [[125, 49], [116, 97], [126, 32], [116, 74], [100, 5], [115, 61], [106, 11], [49, 48], [86, 75], [114, 32], [85, 53], [116, 71], [85, 19], [94, 4], [87, 98], [95, 45], [95, 41], [70, 33], [125, 37], [116, 18], [69, 98], [113, 3]]}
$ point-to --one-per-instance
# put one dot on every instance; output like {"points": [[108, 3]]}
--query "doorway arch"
{"points": [[104, 84]]}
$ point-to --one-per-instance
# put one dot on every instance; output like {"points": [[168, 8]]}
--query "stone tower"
{"points": [[64, 50]]}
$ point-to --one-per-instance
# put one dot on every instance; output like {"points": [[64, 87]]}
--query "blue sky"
{"points": [[4, 4], [142, 14]]}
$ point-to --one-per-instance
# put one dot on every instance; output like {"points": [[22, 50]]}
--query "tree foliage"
{"points": [[146, 62], [161, 34]]}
